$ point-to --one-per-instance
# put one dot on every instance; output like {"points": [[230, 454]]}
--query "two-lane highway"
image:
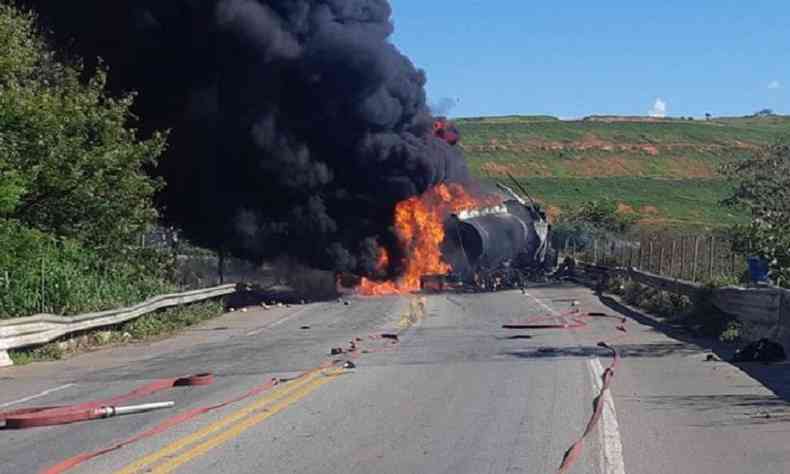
{"points": [[458, 394]]}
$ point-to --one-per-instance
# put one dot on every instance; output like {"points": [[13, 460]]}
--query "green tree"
{"points": [[602, 214], [762, 185], [69, 164]]}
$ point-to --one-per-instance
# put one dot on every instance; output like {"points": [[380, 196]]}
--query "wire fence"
{"points": [[698, 258], [196, 267]]}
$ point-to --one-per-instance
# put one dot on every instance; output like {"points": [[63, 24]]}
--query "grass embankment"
{"points": [[657, 202], [668, 168]]}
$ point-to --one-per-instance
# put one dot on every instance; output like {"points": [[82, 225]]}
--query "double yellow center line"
{"points": [[192, 446]]}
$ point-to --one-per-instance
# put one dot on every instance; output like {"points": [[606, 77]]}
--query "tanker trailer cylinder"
{"points": [[488, 241]]}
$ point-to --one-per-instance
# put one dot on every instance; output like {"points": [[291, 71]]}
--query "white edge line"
{"points": [[38, 395], [596, 383], [276, 323], [611, 444], [610, 431]]}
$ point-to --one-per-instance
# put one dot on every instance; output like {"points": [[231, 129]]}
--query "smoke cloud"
{"points": [[296, 124], [443, 106]]}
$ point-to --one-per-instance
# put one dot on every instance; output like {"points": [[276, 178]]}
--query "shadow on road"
{"points": [[736, 409], [625, 350]]}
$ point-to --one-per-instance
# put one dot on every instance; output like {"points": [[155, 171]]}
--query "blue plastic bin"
{"points": [[758, 269]]}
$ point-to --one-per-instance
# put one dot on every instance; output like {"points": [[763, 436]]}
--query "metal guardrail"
{"points": [[42, 328], [764, 310]]}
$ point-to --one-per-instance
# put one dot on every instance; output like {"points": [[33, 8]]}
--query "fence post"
{"points": [[595, 251], [221, 266], [712, 256], [672, 259], [732, 260], [661, 260], [42, 283], [696, 257], [650, 266], [682, 257], [639, 263]]}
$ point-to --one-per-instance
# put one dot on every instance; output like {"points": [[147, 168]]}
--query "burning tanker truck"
{"points": [[495, 247], [454, 239], [491, 248]]}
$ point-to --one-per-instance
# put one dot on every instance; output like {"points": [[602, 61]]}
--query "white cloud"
{"points": [[774, 85], [659, 109]]}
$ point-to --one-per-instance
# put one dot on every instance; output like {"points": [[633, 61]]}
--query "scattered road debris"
{"points": [[349, 365], [763, 350]]}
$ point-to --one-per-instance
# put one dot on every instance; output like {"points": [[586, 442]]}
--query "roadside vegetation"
{"points": [[763, 190], [74, 193], [701, 317]]}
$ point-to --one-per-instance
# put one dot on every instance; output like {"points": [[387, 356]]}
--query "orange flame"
{"points": [[383, 261], [419, 223]]}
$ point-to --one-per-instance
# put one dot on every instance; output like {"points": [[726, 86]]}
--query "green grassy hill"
{"points": [[666, 170]]}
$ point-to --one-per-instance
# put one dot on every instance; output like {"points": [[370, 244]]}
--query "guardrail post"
{"points": [[5, 360]]}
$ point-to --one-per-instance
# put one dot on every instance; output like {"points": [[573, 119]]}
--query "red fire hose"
{"points": [[573, 453], [61, 415], [58, 415], [576, 320], [200, 379]]}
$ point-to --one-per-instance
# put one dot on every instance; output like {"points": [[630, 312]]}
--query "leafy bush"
{"points": [[732, 332], [633, 293], [74, 194], [602, 214], [69, 165], [763, 187]]}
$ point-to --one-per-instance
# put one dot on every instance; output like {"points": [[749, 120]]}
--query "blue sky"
{"points": [[573, 58]]}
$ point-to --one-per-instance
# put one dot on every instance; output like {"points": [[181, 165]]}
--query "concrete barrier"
{"points": [[764, 311]]}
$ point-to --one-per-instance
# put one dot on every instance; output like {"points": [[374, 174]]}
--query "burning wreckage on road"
{"points": [[497, 247], [455, 238]]}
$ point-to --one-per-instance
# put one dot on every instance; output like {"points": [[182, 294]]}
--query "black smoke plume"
{"points": [[296, 124]]}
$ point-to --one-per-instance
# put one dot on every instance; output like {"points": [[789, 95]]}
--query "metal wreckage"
{"points": [[503, 246], [494, 248]]}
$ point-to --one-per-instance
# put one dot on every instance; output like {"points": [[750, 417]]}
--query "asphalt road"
{"points": [[458, 394]]}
